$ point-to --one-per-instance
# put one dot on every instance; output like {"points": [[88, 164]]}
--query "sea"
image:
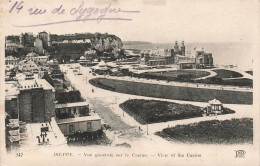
{"points": [[238, 54]]}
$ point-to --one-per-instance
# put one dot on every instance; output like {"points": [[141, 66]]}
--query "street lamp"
{"points": [[146, 128], [146, 119]]}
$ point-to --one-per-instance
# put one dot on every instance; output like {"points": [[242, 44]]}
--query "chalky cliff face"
{"points": [[74, 46], [107, 43]]}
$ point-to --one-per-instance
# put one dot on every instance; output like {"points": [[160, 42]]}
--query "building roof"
{"points": [[11, 44], [77, 104], [90, 52], [78, 119], [14, 138], [11, 58], [214, 101], [102, 63], [35, 83], [11, 90], [44, 84], [14, 132], [82, 58], [31, 54], [41, 57]]}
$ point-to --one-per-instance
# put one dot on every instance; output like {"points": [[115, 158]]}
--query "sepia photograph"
{"points": [[109, 82]]}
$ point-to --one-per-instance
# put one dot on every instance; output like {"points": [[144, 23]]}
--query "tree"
{"points": [[84, 111]]}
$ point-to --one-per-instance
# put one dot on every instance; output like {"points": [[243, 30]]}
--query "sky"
{"points": [[159, 21]]}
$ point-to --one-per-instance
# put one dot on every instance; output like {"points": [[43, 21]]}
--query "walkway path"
{"points": [[212, 74]]}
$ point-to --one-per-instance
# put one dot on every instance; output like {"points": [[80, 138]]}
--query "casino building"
{"points": [[176, 56]]}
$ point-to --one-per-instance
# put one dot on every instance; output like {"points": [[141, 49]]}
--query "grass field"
{"points": [[222, 73], [234, 131], [155, 111], [173, 92]]}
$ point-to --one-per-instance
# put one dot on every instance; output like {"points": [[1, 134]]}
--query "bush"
{"points": [[153, 111], [68, 97]]}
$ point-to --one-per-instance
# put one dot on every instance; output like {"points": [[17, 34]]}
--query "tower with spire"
{"points": [[182, 48], [176, 47]]}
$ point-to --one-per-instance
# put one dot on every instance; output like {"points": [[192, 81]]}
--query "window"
{"points": [[71, 128], [89, 128]]}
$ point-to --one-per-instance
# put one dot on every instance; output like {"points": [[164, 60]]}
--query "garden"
{"points": [[234, 131], [155, 111]]}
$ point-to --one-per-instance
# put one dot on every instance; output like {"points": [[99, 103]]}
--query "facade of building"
{"points": [[156, 57], [41, 59], [45, 37], [76, 117], [215, 107], [101, 68], [10, 60], [28, 66], [11, 46], [82, 61], [71, 126], [32, 56], [39, 45], [30, 100], [203, 59]]}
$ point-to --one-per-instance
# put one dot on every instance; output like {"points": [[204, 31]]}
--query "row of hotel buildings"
{"points": [[177, 56]]}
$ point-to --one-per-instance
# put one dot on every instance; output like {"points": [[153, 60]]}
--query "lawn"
{"points": [[242, 82], [155, 111], [239, 82], [222, 73], [173, 92], [234, 131]]}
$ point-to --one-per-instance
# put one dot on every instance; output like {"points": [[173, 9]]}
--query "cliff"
{"points": [[98, 41], [106, 42], [64, 47]]}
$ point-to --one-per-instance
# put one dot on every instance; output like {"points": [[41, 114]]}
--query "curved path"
{"points": [[212, 74]]}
